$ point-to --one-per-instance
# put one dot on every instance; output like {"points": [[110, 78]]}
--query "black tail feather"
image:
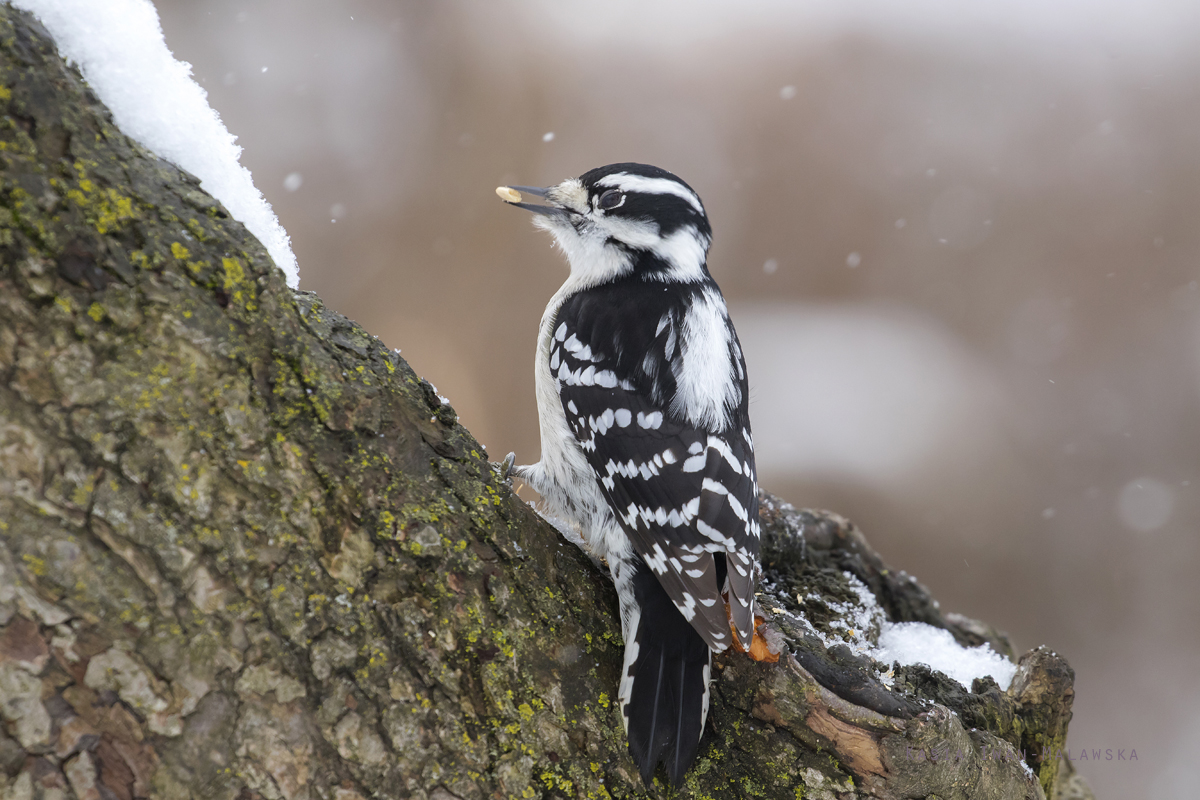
{"points": [[666, 706]]}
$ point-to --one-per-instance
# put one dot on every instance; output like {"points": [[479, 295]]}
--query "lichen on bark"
{"points": [[246, 552]]}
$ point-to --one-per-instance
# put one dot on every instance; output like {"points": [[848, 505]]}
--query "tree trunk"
{"points": [[246, 552]]}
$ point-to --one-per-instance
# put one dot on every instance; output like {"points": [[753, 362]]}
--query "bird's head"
{"points": [[623, 219]]}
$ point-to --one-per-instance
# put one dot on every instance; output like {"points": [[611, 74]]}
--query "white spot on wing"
{"points": [[739, 510], [714, 534], [722, 447], [657, 561], [687, 607], [651, 421]]}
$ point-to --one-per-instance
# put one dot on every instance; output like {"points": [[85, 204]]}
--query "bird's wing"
{"points": [[682, 493]]}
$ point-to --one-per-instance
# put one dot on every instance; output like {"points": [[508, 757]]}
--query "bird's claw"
{"points": [[506, 466]]}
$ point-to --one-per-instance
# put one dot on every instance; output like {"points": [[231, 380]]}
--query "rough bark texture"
{"points": [[246, 552]]}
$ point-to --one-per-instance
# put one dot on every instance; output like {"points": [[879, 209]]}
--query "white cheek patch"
{"points": [[640, 234]]}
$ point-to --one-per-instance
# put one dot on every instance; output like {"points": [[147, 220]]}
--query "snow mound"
{"points": [[918, 643], [118, 45], [855, 625]]}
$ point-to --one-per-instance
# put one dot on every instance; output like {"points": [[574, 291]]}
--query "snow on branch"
{"points": [[118, 45]]}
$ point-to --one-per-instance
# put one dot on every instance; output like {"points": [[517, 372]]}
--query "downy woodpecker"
{"points": [[646, 444]]}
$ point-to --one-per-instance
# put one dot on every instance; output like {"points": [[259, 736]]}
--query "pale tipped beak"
{"points": [[513, 195], [536, 191]]}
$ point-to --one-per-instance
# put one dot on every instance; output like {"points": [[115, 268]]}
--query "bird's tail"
{"points": [[664, 685]]}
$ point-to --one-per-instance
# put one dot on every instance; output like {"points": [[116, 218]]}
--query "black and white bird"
{"points": [[646, 443]]}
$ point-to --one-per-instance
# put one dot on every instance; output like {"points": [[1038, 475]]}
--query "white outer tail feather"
{"points": [[625, 688]]}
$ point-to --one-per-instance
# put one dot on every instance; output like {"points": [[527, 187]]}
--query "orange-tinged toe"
{"points": [[759, 649]]}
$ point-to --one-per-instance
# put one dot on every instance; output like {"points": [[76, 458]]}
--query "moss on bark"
{"points": [[246, 552]]}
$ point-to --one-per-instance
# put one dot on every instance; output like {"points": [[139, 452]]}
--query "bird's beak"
{"points": [[513, 195]]}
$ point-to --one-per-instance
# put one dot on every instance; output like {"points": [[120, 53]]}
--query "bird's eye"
{"points": [[611, 199]]}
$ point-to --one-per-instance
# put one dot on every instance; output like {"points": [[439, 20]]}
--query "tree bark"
{"points": [[246, 552]]}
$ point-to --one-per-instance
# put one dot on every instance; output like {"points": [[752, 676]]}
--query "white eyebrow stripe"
{"points": [[638, 183]]}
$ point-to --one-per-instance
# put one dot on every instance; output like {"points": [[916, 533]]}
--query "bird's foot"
{"points": [[760, 649], [506, 466]]}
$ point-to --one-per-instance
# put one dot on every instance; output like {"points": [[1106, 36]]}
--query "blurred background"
{"points": [[960, 245]]}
